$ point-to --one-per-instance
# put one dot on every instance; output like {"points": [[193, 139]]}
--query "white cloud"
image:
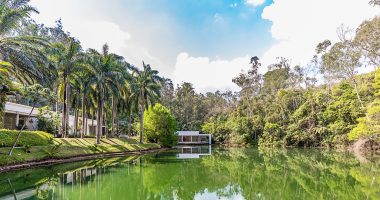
{"points": [[94, 30], [233, 5], [255, 2], [299, 25], [218, 18], [206, 74]]}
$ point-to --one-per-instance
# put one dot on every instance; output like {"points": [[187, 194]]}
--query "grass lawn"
{"points": [[65, 147]]}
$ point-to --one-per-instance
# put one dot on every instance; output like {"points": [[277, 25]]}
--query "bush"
{"points": [[272, 136], [47, 120], [32, 138], [46, 125], [159, 126], [369, 126]]}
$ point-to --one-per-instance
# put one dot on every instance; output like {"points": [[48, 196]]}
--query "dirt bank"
{"points": [[363, 147]]}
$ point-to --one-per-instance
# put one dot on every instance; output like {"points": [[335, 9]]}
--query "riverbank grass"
{"points": [[71, 147]]}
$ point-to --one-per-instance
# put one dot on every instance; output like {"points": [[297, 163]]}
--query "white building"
{"points": [[17, 114], [193, 137]]}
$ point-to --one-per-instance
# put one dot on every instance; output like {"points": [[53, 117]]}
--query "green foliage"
{"points": [[188, 107], [276, 79], [217, 126], [47, 120], [33, 138], [368, 126], [376, 84], [53, 150], [293, 115], [241, 129], [27, 148], [272, 135], [368, 38], [159, 126], [95, 148], [44, 124]]}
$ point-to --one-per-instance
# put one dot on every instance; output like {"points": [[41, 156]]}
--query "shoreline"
{"points": [[76, 158]]}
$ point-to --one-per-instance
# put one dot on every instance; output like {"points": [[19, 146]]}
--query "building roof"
{"points": [[188, 132], [15, 108], [19, 108]]}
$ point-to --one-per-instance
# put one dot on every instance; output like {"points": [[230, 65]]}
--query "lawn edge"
{"points": [[76, 158]]}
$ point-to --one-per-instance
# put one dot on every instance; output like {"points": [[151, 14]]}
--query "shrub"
{"points": [[31, 138], [368, 126], [159, 126], [46, 125], [272, 136]]}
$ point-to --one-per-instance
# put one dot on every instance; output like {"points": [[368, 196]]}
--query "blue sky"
{"points": [[205, 42], [215, 28]]}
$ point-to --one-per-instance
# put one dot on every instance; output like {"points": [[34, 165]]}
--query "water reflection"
{"points": [[225, 174], [187, 152]]}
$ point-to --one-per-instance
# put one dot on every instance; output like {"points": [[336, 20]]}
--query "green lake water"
{"points": [[203, 173]]}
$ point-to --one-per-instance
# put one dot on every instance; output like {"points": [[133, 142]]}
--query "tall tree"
{"points": [[24, 53], [250, 83], [343, 59], [277, 77], [148, 83], [68, 57], [375, 2], [368, 40], [108, 70]]}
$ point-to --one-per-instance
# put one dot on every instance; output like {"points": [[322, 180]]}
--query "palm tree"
{"points": [[80, 82], [131, 103], [86, 80], [20, 56], [148, 90], [75, 101], [5, 83], [24, 53], [68, 57], [108, 70], [91, 102]]}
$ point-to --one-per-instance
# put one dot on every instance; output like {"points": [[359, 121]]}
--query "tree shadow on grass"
{"points": [[65, 142], [135, 147], [111, 142], [82, 142], [120, 147]]}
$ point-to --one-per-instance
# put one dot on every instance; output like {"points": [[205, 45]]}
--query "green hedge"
{"points": [[32, 138]]}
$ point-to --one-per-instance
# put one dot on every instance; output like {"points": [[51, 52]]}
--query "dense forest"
{"points": [[325, 103]]}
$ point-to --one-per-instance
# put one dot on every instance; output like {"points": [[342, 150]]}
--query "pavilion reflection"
{"points": [[188, 152]]}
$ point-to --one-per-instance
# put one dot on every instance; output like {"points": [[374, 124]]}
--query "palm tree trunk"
{"points": [[92, 119], [113, 116], [84, 123], [67, 124], [142, 117], [56, 109], [129, 123], [117, 125], [105, 120], [86, 126], [99, 118], [64, 107], [75, 121]]}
